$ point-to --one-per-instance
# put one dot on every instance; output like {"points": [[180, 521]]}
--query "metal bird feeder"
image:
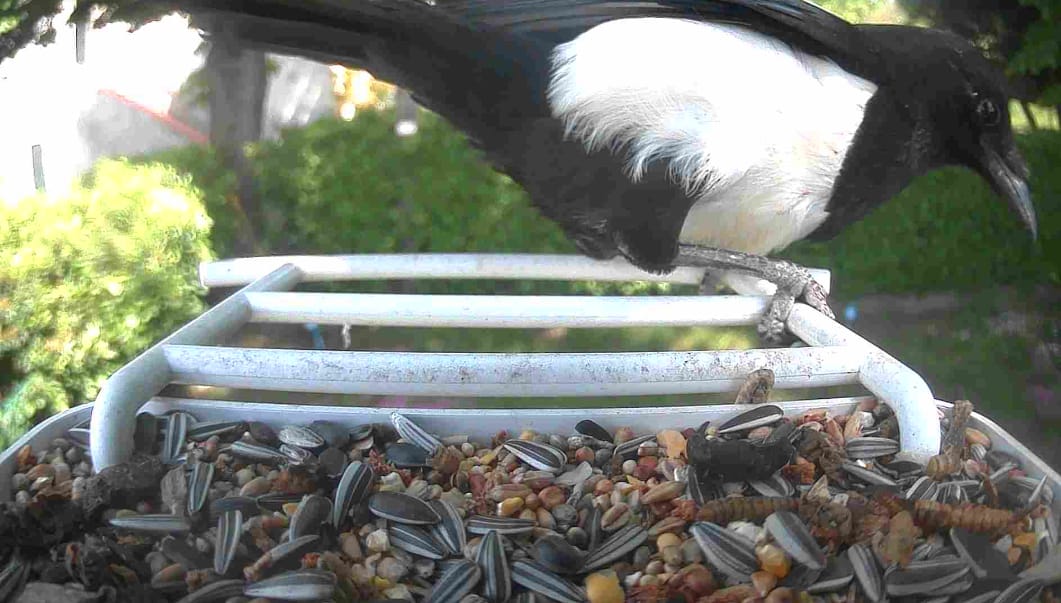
{"points": [[834, 355]]}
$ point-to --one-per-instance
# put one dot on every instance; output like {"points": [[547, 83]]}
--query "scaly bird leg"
{"points": [[793, 282]]}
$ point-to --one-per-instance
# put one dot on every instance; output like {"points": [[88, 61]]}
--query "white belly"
{"points": [[754, 130]]}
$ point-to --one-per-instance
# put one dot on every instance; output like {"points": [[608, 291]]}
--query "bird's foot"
{"points": [[794, 283]]}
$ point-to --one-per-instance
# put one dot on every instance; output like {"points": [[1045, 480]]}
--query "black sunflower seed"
{"points": [[558, 555], [244, 504], [312, 512], [590, 428], [403, 454], [980, 555], [400, 507]]}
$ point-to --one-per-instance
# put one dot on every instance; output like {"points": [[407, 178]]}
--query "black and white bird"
{"points": [[676, 132]]}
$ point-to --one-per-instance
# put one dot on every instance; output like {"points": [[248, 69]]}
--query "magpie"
{"points": [[705, 133]]}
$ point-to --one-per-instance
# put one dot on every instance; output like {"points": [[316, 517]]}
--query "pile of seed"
{"points": [[757, 507]]}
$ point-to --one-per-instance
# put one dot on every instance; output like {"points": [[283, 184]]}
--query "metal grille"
{"points": [[834, 355]]}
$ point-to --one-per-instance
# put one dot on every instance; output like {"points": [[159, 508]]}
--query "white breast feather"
{"points": [[751, 128]]}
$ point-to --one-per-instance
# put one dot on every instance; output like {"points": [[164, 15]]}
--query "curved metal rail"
{"points": [[835, 355]]}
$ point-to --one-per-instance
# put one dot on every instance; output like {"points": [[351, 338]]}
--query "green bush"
{"points": [[90, 279], [949, 231]]}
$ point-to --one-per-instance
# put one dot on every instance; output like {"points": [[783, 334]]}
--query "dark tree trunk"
{"points": [[237, 82]]}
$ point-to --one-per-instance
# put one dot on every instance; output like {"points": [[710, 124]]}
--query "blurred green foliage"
{"points": [[949, 231], [354, 187], [90, 279]]}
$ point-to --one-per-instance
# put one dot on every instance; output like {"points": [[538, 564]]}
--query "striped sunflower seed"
{"points": [[199, 485], [1022, 591], [176, 431], [497, 579], [616, 547], [352, 490], [201, 432], [532, 576], [775, 486], [866, 570], [256, 452], [229, 530], [925, 488], [481, 524], [924, 577], [222, 590], [296, 455], [458, 580], [837, 575], [300, 437], [153, 524], [414, 434], [450, 530], [298, 585], [730, 553], [760, 415], [629, 447], [867, 475], [540, 456], [792, 535], [415, 540], [870, 448]]}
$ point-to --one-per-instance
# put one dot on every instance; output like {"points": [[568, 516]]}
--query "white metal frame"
{"points": [[835, 356]]}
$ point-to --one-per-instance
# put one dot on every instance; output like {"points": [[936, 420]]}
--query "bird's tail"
{"points": [[469, 74]]}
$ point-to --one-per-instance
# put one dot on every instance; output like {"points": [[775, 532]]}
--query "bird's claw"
{"points": [[796, 283]]}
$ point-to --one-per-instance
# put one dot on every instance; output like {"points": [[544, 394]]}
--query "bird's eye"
{"points": [[988, 112]]}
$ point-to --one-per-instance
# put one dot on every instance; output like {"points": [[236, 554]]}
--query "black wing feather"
{"points": [[801, 24]]}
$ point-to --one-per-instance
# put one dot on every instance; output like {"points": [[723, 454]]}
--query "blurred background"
{"points": [[128, 157]]}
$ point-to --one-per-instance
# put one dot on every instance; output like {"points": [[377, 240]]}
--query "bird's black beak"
{"points": [[1008, 176]]}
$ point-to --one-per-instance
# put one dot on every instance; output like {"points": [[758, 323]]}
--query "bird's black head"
{"points": [[959, 103]]}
